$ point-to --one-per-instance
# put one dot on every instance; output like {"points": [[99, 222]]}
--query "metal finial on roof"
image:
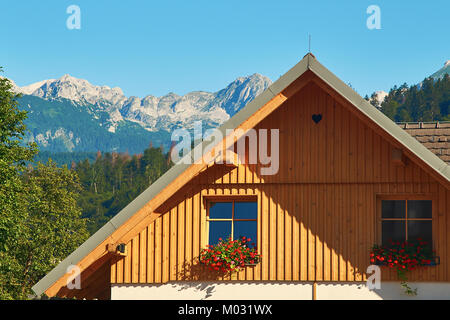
{"points": [[309, 43], [309, 50]]}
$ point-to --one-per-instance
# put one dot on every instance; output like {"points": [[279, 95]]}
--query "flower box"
{"points": [[229, 255], [434, 262], [403, 257]]}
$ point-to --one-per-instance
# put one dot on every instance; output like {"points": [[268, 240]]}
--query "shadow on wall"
{"points": [[94, 285], [207, 288], [390, 290]]}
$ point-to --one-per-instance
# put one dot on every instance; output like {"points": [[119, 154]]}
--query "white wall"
{"points": [[213, 290], [275, 291], [388, 291]]}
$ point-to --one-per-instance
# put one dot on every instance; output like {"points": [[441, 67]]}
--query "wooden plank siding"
{"points": [[317, 218]]}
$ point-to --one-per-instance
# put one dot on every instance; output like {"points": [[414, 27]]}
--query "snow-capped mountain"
{"points": [[153, 113], [71, 88], [380, 95], [70, 114], [110, 110], [441, 72]]}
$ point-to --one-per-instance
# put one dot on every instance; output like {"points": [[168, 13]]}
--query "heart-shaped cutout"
{"points": [[316, 118]]}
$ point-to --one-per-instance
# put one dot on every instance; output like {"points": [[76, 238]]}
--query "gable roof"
{"points": [[141, 210]]}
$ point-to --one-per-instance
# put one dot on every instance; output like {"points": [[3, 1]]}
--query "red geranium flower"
{"points": [[228, 255]]}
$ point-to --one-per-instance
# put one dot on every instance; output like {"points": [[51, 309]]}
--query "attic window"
{"points": [[233, 218], [406, 220]]}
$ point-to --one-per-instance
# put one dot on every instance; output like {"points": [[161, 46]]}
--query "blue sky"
{"points": [[148, 47]]}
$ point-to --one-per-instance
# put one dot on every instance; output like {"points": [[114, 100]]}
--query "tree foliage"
{"points": [[13, 157], [40, 222], [429, 101], [114, 179]]}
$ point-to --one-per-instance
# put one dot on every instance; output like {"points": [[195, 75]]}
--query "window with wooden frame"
{"points": [[406, 220], [235, 218]]}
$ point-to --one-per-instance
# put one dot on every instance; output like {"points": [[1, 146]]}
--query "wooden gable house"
{"points": [[341, 161]]}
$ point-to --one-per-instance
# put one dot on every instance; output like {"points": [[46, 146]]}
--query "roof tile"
{"points": [[435, 136]]}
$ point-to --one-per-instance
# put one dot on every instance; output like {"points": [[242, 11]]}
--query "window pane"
{"points": [[246, 229], [393, 230], [219, 229], [245, 210], [420, 229], [393, 208], [419, 209], [220, 210]]}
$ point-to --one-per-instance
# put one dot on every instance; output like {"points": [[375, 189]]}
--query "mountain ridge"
{"points": [[108, 109], [71, 114], [441, 72]]}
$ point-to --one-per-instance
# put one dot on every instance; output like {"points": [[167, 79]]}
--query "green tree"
{"points": [[389, 108], [115, 179], [50, 229], [40, 221], [428, 101], [54, 227], [13, 157]]}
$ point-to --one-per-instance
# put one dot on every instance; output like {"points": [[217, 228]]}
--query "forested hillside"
{"points": [[65, 158], [114, 179], [428, 101], [63, 125]]}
